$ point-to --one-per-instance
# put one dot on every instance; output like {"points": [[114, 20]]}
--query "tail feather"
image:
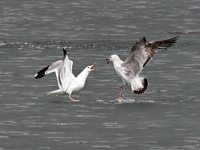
{"points": [[56, 92], [143, 89]]}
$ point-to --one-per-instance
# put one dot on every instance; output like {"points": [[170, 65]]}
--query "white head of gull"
{"points": [[67, 82], [129, 70]]}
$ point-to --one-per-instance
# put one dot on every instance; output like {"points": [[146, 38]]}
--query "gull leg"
{"points": [[120, 98], [73, 100], [118, 88]]}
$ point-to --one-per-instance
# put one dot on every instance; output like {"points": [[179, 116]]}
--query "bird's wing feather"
{"points": [[48, 69], [67, 65], [155, 46], [143, 52], [137, 57], [66, 74], [54, 67]]}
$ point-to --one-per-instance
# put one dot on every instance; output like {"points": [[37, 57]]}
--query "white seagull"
{"points": [[67, 82], [129, 70]]}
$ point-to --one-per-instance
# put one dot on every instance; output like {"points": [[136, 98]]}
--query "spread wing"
{"points": [[143, 52], [62, 69], [66, 75], [137, 57], [155, 46], [54, 67]]}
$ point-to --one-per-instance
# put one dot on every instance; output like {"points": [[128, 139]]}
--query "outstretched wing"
{"points": [[137, 57], [57, 67], [66, 74], [54, 67], [155, 46], [143, 52], [67, 65]]}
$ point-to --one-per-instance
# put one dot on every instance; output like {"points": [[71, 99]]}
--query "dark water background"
{"points": [[33, 34]]}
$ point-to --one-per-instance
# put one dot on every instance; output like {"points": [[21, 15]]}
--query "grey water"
{"points": [[32, 35]]}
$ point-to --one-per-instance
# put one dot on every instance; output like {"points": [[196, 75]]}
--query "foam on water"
{"points": [[124, 101]]}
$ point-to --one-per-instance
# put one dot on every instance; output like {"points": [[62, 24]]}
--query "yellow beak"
{"points": [[93, 66]]}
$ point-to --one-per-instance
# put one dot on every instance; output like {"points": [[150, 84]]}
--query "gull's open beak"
{"points": [[108, 60], [93, 66]]}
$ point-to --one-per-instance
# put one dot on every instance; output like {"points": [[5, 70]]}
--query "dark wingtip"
{"points": [[145, 85], [64, 51], [174, 39], [41, 73], [142, 40]]}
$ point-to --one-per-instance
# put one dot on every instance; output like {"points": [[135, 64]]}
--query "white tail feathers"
{"points": [[139, 85], [56, 92]]}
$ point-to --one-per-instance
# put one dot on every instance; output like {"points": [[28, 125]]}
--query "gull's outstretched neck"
{"points": [[81, 78]]}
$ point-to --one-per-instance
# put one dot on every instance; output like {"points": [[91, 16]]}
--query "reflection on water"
{"points": [[33, 35]]}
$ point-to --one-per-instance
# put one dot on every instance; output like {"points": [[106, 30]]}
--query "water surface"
{"points": [[33, 35]]}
